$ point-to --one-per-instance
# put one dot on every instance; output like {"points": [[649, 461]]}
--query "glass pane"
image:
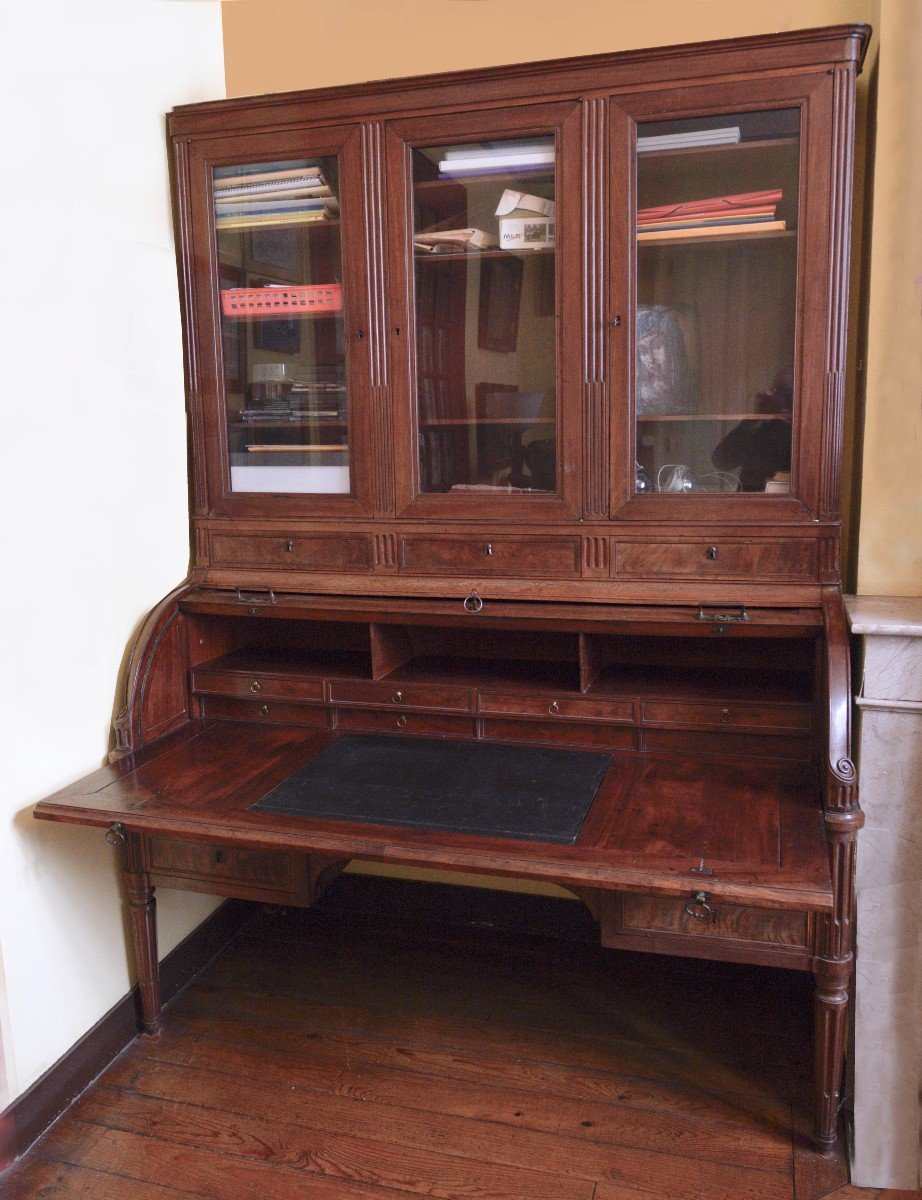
{"points": [[484, 254], [716, 295], [280, 263]]}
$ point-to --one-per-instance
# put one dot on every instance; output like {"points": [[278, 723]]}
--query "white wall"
{"points": [[93, 489]]}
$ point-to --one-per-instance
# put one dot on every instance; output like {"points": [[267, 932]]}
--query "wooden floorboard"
{"points": [[323, 1056]]}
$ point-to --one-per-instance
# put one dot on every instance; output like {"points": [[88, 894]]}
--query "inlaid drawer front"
{"points": [[730, 715], [401, 695], [539, 556], [712, 918], [792, 558], [265, 687], [410, 722], [591, 736], [553, 707], [171, 856], [319, 552], [227, 708]]}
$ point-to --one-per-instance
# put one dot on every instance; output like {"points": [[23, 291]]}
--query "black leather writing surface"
{"points": [[484, 788]]}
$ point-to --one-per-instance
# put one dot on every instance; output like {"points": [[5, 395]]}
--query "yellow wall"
{"points": [[277, 45]]}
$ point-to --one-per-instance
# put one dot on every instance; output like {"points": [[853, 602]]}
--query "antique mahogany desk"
{"points": [[515, 414]]}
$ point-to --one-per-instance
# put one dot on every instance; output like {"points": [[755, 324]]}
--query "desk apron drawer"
{"points": [[346, 552], [264, 687], [567, 708], [792, 558], [275, 869], [689, 917], [401, 695], [422, 724], [581, 734], [225, 708], [730, 715], [545, 557]]}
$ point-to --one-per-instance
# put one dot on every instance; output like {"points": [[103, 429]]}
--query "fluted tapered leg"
{"points": [[142, 908], [830, 1012]]}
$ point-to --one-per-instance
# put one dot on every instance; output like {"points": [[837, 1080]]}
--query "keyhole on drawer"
{"points": [[725, 715], [712, 552], [254, 686], [488, 548], [289, 546], [218, 856], [401, 721]]}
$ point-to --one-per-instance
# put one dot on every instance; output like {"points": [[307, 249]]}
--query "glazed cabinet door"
{"points": [[485, 266], [279, 303], [725, 202]]}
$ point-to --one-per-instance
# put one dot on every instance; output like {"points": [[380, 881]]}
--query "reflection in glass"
{"points": [[484, 239], [716, 292], [280, 276]]}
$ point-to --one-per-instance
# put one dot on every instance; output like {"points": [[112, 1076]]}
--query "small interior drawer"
{"points": [[730, 715], [274, 868], [256, 686], [401, 695], [568, 708], [588, 735], [484, 555], [316, 552], [667, 914], [410, 722], [791, 558], [274, 712]]}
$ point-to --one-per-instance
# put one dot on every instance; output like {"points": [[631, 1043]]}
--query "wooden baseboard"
{"points": [[32, 1112]]}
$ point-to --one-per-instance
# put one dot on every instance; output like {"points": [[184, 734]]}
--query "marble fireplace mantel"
{"points": [[887, 740]]}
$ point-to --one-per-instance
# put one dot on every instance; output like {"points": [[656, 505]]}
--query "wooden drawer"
{"points": [[419, 723], [401, 695], [665, 914], [568, 708], [731, 715], [315, 552], [225, 708], [264, 687], [788, 559], [785, 746], [485, 555], [271, 868], [561, 733]]}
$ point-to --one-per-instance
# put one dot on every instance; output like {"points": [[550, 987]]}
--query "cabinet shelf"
{"points": [[753, 146], [453, 421], [491, 252], [714, 417], [255, 227], [789, 235], [524, 175]]}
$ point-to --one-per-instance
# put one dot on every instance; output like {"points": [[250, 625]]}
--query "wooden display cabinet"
{"points": [[515, 409]]}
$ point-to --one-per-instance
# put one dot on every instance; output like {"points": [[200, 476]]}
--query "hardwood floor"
{"points": [[406, 1052]]}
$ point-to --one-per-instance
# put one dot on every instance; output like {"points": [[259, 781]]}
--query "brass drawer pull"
{"points": [[401, 721], [264, 710], [553, 708], [115, 834], [397, 698], [473, 603], [699, 907], [255, 686]]}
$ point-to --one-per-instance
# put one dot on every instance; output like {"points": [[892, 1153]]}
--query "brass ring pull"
{"points": [[401, 721], [699, 907], [115, 834], [473, 603], [264, 710], [397, 698], [255, 686], [553, 708]]}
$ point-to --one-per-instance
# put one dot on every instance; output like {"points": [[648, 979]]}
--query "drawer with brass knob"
{"points": [[404, 695], [698, 914]]}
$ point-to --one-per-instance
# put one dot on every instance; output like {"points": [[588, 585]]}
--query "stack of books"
{"points": [[748, 212], [251, 198], [499, 159]]}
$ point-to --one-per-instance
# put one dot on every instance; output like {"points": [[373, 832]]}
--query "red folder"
{"points": [[710, 208]]}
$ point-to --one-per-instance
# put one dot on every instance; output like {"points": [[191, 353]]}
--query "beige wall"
{"points": [[276, 45], [93, 483]]}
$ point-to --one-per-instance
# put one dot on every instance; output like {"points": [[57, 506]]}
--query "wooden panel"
{"points": [[490, 556], [164, 702], [392, 722], [401, 695], [731, 714], [274, 869], [563, 733], [553, 707], [676, 741], [253, 686], [788, 559], [228, 709], [318, 552], [663, 914]]}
